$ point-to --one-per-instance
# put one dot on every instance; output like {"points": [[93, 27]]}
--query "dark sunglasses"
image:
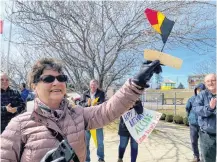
{"points": [[51, 78]]}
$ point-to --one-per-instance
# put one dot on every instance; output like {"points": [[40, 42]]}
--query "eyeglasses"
{"points": [[209, 81], [51, 78]]}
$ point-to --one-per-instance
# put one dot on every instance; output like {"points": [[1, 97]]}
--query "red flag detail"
{"points": [[1, 26], [151, 16]]}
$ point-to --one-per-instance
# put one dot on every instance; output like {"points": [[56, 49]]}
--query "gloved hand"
{"points": [[146, 72], [138, 107], [48, 157]]}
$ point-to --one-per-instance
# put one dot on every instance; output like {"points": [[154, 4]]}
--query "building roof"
{"points": [[168, 81], [197, 75]]}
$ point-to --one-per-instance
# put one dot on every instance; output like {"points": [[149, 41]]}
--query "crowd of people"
{"points": [[40, 135]]}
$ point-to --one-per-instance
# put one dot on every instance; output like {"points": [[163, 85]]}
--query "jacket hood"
{"points": [[200, 86]]}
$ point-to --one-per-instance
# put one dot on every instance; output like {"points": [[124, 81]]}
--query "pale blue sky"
{"points": [[190, 60]]}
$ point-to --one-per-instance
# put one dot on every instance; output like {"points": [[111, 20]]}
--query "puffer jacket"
{"points": [[30, 130], [206, 115]]}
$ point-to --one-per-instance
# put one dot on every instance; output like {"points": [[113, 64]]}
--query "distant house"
{"points": [[181, 86], [168, 84], [193, 80]]}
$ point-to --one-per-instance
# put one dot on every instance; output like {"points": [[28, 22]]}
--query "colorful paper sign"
{"points": [[140, 126]]}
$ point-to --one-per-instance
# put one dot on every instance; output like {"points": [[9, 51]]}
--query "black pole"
{"points": [[163, 47]]}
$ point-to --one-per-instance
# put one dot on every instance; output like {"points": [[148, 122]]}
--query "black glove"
{"points": [[146, 72], [138, 107]]}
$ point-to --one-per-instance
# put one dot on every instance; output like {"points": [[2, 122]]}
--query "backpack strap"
{"points": [[60, 138]]}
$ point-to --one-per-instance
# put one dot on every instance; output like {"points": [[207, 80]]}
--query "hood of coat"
{"points": [[200, 86]]}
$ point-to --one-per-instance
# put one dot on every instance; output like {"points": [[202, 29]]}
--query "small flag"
{"points": [[93, 132], [160, 23], [1, 26]]}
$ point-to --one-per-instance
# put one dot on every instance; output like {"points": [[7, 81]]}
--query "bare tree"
{"points": [[206, 66], [102, 40], [158, 80], [19, 66]]}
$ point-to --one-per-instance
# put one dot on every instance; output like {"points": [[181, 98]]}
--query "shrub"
{"points": [[163, 116], [178, 119], [185, 121], [169, 118]]}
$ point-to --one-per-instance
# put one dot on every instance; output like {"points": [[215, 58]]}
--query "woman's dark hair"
{"points": [[40, 66]]}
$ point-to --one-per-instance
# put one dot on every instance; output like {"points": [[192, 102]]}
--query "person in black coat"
{"points": [[12, 103], [125, 136]]}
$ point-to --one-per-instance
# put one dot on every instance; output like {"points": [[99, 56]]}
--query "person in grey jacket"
{"points": [[205, 107], [193, 122]]}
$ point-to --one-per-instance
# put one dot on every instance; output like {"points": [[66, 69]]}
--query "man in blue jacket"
{"points": [[205, 107], [193, 122]]}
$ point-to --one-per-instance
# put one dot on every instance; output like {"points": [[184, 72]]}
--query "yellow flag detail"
{"points": [[93, 135], [160, 18], [93, 131], [157, 28], [95, 101]]}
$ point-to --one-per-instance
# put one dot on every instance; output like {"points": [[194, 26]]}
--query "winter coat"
{"points": [[192, 116], [206, 115], [99, 94], [10, 96], [123, 131], [29, 131], [24, 94]]}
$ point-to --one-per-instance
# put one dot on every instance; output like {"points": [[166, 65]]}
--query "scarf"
{"points": [[52, 113]]}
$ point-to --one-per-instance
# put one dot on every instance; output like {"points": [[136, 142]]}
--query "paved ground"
{"points": [[168, 143]]}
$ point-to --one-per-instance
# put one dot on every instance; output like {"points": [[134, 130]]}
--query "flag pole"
{"points": [[163, 47], [9, 40]]}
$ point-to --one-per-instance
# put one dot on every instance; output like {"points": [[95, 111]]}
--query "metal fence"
{"points": [[166, 100]]}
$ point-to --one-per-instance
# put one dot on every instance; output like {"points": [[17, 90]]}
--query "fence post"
{"points": [[175, 104], [162, 97], [157, 102]]}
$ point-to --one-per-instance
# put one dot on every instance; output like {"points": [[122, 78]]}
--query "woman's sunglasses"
{"points": [[51, 78]]}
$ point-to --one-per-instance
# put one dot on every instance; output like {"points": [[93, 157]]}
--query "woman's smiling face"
{"points": [[51, 93]]}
